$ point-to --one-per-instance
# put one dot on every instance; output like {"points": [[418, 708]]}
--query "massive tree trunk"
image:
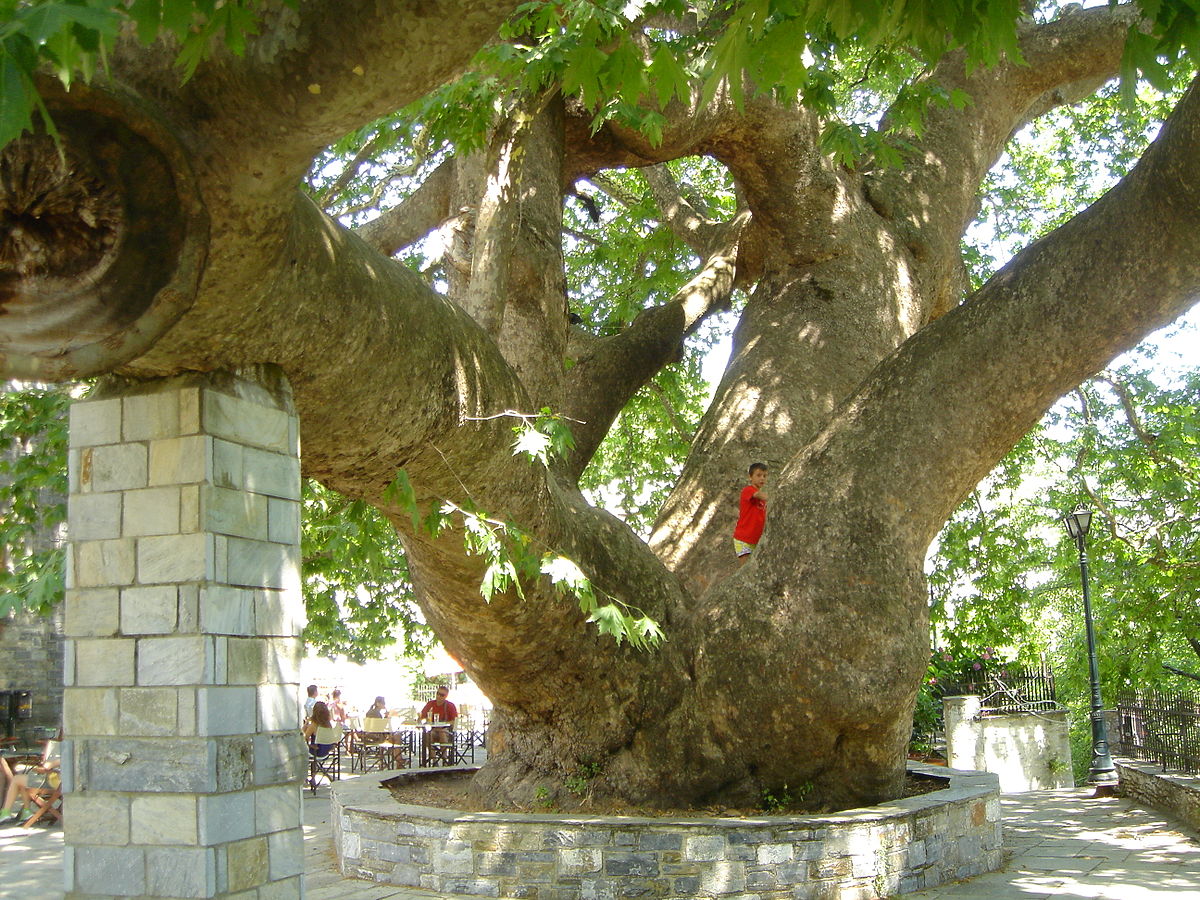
{"points": [[877, 397]]}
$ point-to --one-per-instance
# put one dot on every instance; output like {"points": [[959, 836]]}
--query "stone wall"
{"points": [[1028, 751], [31, 659], [1173, 793], [898, 847]]}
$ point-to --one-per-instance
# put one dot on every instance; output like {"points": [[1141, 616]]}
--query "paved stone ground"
{"points": [[1068, 845], [1063, 844]]}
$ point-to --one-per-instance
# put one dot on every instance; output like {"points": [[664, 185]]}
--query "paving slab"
{"points": [[1070, 844]]}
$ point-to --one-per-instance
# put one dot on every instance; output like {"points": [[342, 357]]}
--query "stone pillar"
{"points": [[964, 747], [183, 757]]}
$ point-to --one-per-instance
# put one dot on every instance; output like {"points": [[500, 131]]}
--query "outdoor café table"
{"points": [[426, 747]]}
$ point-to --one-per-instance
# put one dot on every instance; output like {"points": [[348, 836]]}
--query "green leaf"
{"points": [[532, 443], [147, 15], [668, 76], [16, 98]]}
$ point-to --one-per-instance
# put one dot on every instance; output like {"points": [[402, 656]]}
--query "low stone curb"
{"points": [[896, 847]]}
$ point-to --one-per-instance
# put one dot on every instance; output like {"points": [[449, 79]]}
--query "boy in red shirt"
{"points": [[752, 513]]}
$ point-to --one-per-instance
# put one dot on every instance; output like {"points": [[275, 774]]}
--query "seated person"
{"points": [[310, 701], [439, 711], [337, 711], [378, 709], [380, 733], [319, 729], [22, 782]]}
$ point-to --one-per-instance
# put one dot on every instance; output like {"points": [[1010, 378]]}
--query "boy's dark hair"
{"points": [[754, 467], [312, 690]]}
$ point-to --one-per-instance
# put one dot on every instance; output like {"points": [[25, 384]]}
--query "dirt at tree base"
{"points": [[452, 790]]}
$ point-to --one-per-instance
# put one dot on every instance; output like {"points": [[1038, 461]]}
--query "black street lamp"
{"points": [[1103, 772]]}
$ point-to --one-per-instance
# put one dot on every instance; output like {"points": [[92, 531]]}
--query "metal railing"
{"points": [[1161, 727], [1011, 689]]}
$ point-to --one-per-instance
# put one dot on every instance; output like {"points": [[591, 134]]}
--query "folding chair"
{"points": [[47, 798], [446, 753], [325, 757], [464, 747], [42, 790], [376, 750]]}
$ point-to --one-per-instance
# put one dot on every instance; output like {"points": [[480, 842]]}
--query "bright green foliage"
{"points": [[356, 588], [515, 559], [628, 260], [640, 459], [543, 436], [33, 490], [616, 267], [1005, 573], [374, 165], [1061, 163], [72, 37], [587, 48]]}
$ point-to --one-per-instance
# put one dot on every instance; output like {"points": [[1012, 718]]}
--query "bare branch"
{"points": [[367, 151], [422, 211], [613, 369], [618, 192], [669, 408]]}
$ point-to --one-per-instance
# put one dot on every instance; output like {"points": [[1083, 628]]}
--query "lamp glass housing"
{"points": [[1078, 522]]}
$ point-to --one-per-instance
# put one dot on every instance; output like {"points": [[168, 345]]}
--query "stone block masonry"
{"points": [[893, 848], [1149, 784], [183, 757]]}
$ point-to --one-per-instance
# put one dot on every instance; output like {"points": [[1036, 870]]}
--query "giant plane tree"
{"points": [[155, 222]]}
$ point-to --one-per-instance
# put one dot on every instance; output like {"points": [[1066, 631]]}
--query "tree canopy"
{"points": [[447, 221]]}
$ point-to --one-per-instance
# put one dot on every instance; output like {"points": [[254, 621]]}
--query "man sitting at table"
{"points": [[438, 711]]}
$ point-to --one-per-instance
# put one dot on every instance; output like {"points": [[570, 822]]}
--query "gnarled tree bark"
{"points": [[877, 398]]}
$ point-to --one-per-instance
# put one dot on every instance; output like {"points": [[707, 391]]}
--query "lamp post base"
{"points": [[1103, 773]]}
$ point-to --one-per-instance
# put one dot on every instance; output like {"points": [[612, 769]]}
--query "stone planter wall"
{"points": [[1173, 793], [897, 847]]}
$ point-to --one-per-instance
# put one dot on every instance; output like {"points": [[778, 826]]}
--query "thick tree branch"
{"points": [[695, 230], [421, 212], [375, 317], [962, 391], [618, 192], [517, 289], [612, 369], [315, 74], [933, 198]]}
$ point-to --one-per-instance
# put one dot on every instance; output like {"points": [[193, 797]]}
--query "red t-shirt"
{"points": [[752, 515], [446, 711]]}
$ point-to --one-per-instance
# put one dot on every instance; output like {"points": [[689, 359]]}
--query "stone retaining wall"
{"points": [[897, 847], [1169, 792], [1030, 751]]}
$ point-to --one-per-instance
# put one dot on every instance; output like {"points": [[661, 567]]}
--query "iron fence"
{"points": [[1010, 689], [1161, 727]]}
